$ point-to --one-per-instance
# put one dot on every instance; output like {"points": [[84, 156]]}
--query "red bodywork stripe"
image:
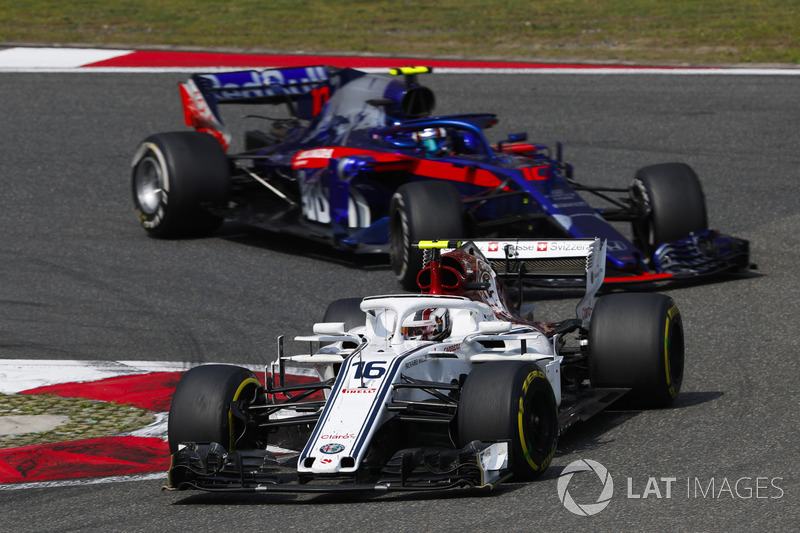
{"points": [[447, 171], [384, 161], [639, 278]]}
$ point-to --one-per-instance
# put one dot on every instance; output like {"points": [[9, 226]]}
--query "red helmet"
{"points": [[428, 325]]}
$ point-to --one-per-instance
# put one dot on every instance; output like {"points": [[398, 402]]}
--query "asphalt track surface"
{"points": [[80, 280]]}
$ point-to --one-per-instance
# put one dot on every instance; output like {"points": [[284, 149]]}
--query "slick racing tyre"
{"points": [[511, 401], [174, 174], [421, 210], [636, 342], [200, 409], [347, 310], [669, 204]]}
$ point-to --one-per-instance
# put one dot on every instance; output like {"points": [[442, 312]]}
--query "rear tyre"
{"points": [[421, 210], [670, 205], [173, 175], [347, 310], [636, 341], [200, 409], [511, 401]]}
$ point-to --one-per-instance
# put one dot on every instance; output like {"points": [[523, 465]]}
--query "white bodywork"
{"points": [[356, 406]]}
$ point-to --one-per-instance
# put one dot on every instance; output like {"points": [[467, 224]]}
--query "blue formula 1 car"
{"points": [[356, 160]]}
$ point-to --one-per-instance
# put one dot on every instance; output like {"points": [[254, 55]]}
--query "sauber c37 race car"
{"points": [[356, 160], [448, 388]]}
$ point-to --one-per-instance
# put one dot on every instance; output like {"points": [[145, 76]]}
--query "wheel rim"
{"points": [[651, 237], [247, 388], [643, 225], [149, 185], [540, 423]]}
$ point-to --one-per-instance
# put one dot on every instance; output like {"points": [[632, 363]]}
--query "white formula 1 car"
{"points": [[444, 389]]}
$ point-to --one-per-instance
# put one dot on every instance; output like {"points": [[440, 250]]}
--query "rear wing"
{"points": [[271, 86], [304, 89], [544, 259], [536, 258]]}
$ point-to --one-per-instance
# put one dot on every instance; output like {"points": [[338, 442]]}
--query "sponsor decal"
{"points": [[337, 436], [272, 82], [418, 361], [332, 448], [545, 248], [563, 246], [317, 153], [360, 391]]}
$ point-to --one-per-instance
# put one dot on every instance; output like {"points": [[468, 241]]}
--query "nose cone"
{"points": [[329, 459]]}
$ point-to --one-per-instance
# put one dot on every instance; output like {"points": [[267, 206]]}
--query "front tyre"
{"points": [[174, 174], [201, 405], [669, 204], [511, 401], [636, 342], [421, 210]]}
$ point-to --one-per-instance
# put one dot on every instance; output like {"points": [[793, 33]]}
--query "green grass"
{"points": [[86, 419], [639, 31]]}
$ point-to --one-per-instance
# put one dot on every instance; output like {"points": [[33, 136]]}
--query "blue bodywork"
{"points": [[352, 138]]}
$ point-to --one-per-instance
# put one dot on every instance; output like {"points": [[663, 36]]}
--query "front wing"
{"points": [[209, 467]]}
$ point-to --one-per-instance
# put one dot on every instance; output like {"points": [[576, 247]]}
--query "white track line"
{"points": [[54, 58], [590, 71], [83, 481], [24, 374]]}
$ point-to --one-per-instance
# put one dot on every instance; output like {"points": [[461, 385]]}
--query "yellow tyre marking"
{"points": [[245, 383], [521, 417]]}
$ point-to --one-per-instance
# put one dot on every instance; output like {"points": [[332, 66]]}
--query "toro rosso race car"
{"points": [[356, 160], [444, 389]]}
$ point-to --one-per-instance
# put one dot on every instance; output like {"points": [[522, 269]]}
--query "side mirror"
{"points": [[513, 138], [329, 328], [494, 328]]}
